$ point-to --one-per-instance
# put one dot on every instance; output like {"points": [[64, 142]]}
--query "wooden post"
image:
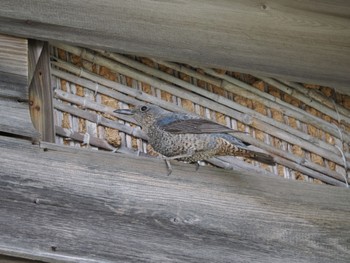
{"points": [[40, 92]]}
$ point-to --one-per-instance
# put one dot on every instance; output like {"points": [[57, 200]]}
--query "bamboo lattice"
{"points": [[305, 127]]}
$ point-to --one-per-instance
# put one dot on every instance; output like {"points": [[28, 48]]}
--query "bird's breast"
{"points": [[171, 144]]}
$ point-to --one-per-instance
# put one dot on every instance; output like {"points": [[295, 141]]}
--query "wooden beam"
{"points": [[89, 206], [40, 90], [294, 40]]}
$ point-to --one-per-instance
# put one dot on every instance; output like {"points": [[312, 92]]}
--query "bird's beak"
{"points": [[125, 111]]}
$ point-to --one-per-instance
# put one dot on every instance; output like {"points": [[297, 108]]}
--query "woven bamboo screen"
{"points": [[305, 127]]}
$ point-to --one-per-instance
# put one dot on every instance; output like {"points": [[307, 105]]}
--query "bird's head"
{"points": [[145, 114]]}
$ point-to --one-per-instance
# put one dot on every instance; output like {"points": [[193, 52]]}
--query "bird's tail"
{"points": [[257, 156], [231, 147], [263, 158]]}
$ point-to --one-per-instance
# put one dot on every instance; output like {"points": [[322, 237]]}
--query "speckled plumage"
{"points": [[189, 136]]}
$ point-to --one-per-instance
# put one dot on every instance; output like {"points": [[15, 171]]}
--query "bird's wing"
{"points": [[178, 123]]}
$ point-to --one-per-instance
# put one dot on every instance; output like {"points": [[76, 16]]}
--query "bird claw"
{"points": [[197, 166], [167, 161], [168, 166]]}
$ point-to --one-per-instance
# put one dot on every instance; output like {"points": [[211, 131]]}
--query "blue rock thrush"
{"points": [[188, 137]]}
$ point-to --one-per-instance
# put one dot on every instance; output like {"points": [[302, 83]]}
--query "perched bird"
{"points": [[188, 137]]}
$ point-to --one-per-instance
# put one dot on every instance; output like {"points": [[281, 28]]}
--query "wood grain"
{"points": [[14, 109], [305, 41], [13, 67], [103, 207], [40, 90], [15, 119]]}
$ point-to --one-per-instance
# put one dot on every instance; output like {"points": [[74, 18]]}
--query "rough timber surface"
{"points": [[40, 91], [13, 67], [15, 119], [96, 207], [14, 109], [306, 41]]}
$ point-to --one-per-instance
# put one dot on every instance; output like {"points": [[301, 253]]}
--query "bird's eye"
{"points": [[144, 108]]}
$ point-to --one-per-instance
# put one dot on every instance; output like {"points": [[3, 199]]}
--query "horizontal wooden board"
{"points": [[305, 41], [75, 205]]}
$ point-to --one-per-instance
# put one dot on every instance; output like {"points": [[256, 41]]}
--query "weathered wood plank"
{"points": [[13, 67], [14, 109], [15, 119], [303, 41], [40, 90], [92, 207]]}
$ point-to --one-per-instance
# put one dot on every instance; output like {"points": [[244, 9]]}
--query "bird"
{"points": [[188, 137]]}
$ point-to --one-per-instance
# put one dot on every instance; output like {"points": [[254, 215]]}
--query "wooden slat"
{"points": [[14, 108], [96, 207], [13, 67], [295, 40]]}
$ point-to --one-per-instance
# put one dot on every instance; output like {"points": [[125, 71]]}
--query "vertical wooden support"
{"points": [[40, 90]]}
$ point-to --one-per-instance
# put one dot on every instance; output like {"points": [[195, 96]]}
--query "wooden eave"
{"points": [[294, 40]]}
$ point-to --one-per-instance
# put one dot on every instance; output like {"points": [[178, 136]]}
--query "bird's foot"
{"points": [[167, 160], [168, 166], [199, 164]]}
